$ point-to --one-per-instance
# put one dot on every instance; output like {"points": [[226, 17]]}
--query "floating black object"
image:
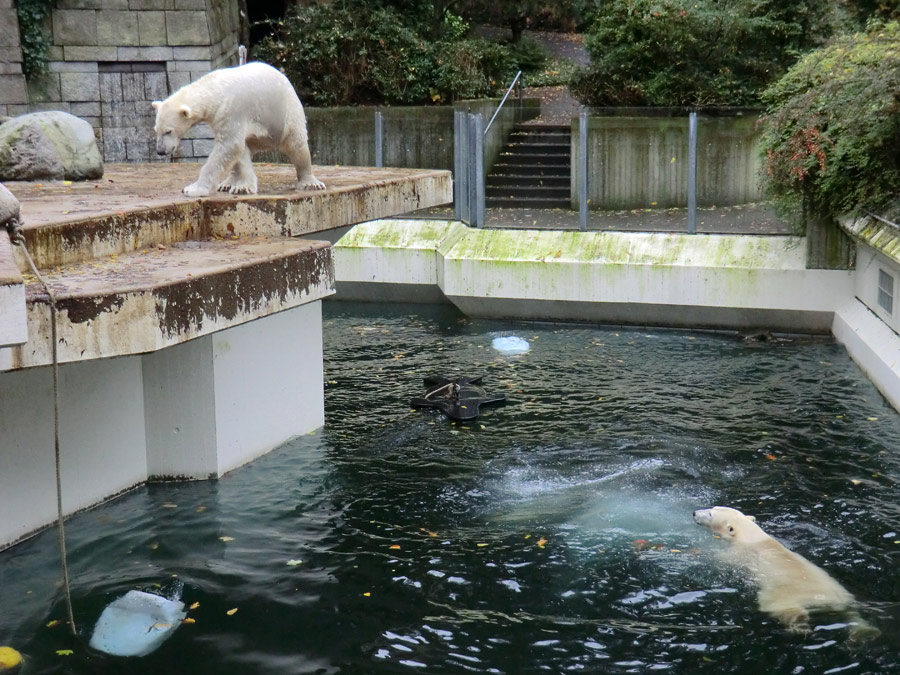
{"points": [[459, 398]]}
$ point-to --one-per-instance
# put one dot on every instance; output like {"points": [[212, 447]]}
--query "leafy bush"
{"points": [[346, 54], [693, 52], [472, 69], [832, 129], [529, 54]]}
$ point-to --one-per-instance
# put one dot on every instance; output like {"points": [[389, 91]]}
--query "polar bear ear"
{"points": [[185, 111], [156, 104], [752, 519]]}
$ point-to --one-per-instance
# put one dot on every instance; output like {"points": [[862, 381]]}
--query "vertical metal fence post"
{"points": [[461, 165], [379, 139], [692, 173], [477, 139], [583, 170]]}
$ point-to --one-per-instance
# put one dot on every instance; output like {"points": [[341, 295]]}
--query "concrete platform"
{"points": [[189, 330], [135, 205]]}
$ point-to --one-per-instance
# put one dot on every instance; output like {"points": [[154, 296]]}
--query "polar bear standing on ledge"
{"points": [[789, 585], [249, 108]]}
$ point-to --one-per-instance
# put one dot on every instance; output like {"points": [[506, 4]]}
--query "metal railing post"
{"points": [[461, 165], [379, 139], [583, 170], [692, 173], [476, 177]]}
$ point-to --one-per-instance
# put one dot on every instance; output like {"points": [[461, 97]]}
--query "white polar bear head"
{"points": [[173, 120], [730, 524]]}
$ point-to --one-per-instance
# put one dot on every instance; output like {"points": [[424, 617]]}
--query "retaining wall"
{"points": [[416, 137], [641, 162]]}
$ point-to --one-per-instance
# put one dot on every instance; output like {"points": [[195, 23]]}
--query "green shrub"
{"points": [[529, 54], [693, 52], [344, 54], [832, 130], [335, 56], [472, 69]]}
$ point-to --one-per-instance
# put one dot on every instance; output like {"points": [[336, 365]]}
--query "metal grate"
{"points": [[886, 291]]}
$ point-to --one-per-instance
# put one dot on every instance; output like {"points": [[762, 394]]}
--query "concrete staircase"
{"points": [[534, 169]]}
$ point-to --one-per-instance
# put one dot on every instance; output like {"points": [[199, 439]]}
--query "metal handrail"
{"points": [[883, 220], [505, 96]]}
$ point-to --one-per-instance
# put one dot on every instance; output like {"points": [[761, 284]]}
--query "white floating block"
{"points": [[511, 344], [136, 624]]}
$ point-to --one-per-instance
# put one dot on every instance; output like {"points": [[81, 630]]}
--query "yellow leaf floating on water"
{"points": [[855, 481], [541, 542], [64, 652], [194, 606], [227, 538], [367, 594], [873, 419], [481, 545], [232, 612], [189, 620], [395, 547], [51, 624], [293, 563], [67, 182]]}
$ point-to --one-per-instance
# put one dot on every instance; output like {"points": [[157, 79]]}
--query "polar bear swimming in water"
{"points": [[790, 586], [249, 108]]}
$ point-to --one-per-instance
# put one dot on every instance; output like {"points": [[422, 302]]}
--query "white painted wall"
{"points": [[872, 345], [198, 410], [269, 383], [220, 401], [868, 263], [101, 440]]}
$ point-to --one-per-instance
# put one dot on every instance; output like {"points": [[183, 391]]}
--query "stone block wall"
{"points": [[111, 58], [13, 92]]}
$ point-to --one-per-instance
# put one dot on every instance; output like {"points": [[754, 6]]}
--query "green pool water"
{"points": [[551, 535]]}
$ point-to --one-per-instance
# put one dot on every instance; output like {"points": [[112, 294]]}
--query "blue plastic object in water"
{"points": [[511, 344], [136, 624]]}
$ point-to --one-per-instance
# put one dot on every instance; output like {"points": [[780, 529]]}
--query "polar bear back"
{"points": [[255, 96], [786, 579]]}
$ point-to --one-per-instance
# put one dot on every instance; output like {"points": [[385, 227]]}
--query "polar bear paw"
{"points": [[238, 187], [311, 183], [196, 190]]}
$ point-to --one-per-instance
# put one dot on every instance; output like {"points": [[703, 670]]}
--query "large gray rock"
{"points": [[48, 146]]}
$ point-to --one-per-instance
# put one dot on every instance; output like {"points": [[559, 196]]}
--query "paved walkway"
{"points": [[744, 219]]}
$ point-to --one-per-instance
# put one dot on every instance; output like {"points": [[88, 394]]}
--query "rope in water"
{"points": [[17, 237]]}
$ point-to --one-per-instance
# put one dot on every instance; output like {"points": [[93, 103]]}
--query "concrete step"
{"points": [[525, 203], [143, 301], [535, 170], [561, 193], [537, 148], [534, 158], [522, 180]]}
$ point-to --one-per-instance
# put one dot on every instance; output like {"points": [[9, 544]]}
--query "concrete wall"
{"points": [[110, 58], [642, 162], [657, 279], [13, 91], [414, 136], [195, 410]]}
